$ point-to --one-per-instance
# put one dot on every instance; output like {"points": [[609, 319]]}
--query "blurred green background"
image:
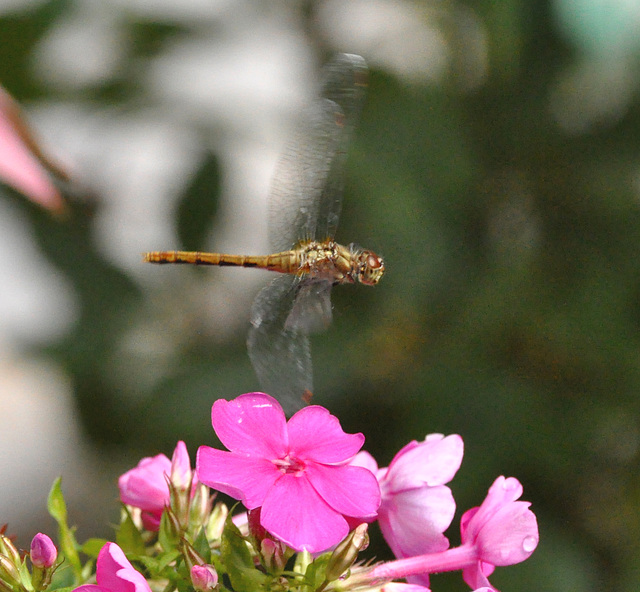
{"points": [[496, 167]]}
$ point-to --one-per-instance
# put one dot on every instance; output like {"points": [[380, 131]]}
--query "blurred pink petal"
{"points": [[20, 158]]}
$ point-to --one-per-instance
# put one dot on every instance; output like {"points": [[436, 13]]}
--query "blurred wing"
{"points": [[311, 311], [281, 356], [345, 83], [306, 193]]}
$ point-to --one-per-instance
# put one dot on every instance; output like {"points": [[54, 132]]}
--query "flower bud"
{"points": [[347, 551], [8, 549], [215, 523], [204, 577], [9, 575], [43, 552], [200, 505]]}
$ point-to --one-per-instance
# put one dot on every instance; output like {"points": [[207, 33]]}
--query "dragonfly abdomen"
{"points": [[284, 262]]}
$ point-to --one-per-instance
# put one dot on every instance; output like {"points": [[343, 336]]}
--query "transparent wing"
{"points": [[306, 193], [281, 356]]}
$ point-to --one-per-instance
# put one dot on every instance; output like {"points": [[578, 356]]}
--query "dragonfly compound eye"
{"points": [[372, 269]]}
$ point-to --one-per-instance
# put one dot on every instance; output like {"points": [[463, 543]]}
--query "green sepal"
{"points": [[168, 536], [67, 540], [25, 576], [129, 538], [201, 545], [238, 561]]}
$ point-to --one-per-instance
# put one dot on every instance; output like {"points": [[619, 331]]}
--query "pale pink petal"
{"points": [[365, 460], [18, 166], [252, 424], [145, 486], [307, 523], [476, 576], [315, 434], [135, 580], [352, 491], [401, 587], [501, 492], [511, 536], [432, 462], [412, 522], [242, 477]]}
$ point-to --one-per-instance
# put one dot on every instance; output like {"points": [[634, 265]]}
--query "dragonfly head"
{"points": [[369, 268]]}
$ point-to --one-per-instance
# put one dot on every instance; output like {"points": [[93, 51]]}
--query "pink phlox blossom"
{"points": [[145, 486], [503, 531], [296, 472], [20, 166], [114, 573], [417, 506]]}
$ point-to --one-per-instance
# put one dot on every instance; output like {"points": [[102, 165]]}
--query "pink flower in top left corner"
{"points": [[297, 472], [114, 573], [146, 487]]}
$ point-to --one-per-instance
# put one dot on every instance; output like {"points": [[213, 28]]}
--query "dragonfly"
{"points": [[304, 208]]}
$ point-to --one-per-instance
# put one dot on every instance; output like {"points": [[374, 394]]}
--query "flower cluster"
{"points": [[310, 493]]}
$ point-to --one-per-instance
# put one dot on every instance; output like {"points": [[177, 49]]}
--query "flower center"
{"points": [[289, 465]]}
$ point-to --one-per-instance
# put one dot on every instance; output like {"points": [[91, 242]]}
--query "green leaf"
{"points": [[92, 547], [58, 510], [129, 538], [238, 561], [167, 536], [315, 574]]}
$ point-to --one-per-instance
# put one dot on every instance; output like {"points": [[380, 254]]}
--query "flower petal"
{"points": [[510, 537], [412, 522], [295, 513], [315, 434], [432, 462], [145, 486], [252, 424], [352, 491], [242, 477], [115, 573]]}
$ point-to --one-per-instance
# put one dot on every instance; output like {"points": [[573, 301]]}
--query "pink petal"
{"points": [[145, 486], [90, 588], [352, 491], [252, 424], [111, 560], [412, 522], [365, 460], [315, 434], [501, 492], [18, 166], [242, 477], [510, 537], [180, 465], [294, 513], [432, 462]]}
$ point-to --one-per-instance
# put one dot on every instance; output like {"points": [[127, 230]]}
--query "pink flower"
{"points": [[114, 573], [502, 530], [146, 486], [20, 166], [43, 552], [296, 472], [416, 506]]}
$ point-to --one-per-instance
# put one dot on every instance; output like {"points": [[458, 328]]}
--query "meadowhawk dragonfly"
{"points": [[304, 208]]}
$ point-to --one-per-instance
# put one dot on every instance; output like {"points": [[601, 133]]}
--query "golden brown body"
{"points": [[321, 260]]}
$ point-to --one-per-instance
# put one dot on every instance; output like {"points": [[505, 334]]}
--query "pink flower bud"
{"points": [[43, 552], [204, 577]]}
